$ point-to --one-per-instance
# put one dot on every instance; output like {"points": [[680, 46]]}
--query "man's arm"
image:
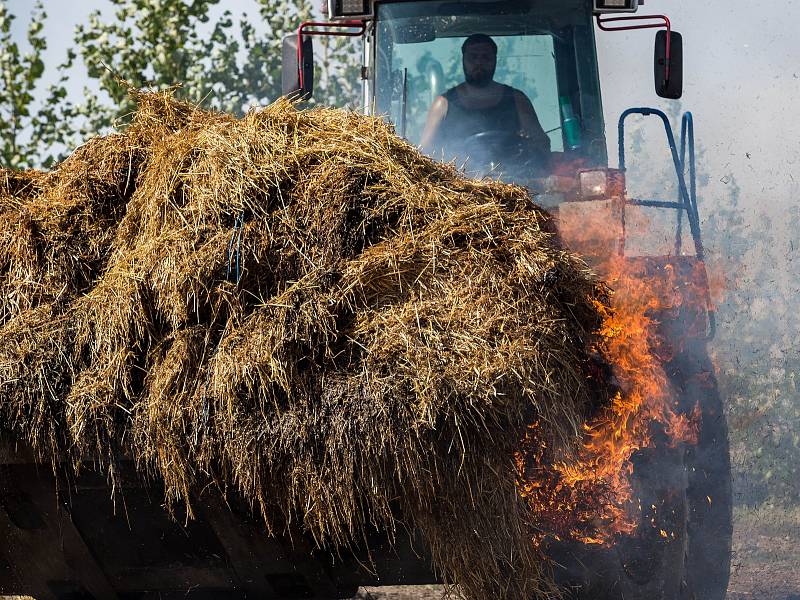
{"points": [[436, 115], [530, 122]]}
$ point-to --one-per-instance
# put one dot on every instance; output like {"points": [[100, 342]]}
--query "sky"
{"points": [[741, 78]]}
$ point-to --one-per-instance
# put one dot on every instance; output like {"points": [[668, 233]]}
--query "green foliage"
{"points": [[224, 65], [155, 43], [337, 74], [29, 129]]}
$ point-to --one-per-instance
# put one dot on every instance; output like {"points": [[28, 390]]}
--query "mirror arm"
{"points": [[329, 28], [602, 23]]}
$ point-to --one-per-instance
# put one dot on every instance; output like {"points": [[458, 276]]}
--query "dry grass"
{"points": [[765, 563], [300, 308]]}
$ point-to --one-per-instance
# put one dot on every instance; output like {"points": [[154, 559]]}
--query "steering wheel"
{"points": [[508, 149]]}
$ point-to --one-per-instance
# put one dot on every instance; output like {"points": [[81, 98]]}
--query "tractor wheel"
{"points": [[709, 495], [682, 550]]}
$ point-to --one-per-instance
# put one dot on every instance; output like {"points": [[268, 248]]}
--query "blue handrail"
{"points": [[687, 199], [687, 194]]}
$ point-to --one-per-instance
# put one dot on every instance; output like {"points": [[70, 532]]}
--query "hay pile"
{"points": [[300, 308]]}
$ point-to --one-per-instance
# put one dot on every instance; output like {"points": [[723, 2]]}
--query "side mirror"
{"points": [[668, 66], [297, 68]]}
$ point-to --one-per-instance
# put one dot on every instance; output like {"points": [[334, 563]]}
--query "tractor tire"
{"points": [[709, 494], [682, 550]]}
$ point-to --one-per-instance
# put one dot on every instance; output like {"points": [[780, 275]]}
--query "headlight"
{"points": [[601, 183], [594, 184]]}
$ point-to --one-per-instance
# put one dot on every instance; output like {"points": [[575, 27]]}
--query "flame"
{"points": [[590, 498]]}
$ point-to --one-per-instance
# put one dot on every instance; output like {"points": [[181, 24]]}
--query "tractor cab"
{"points": [[545, 53]]}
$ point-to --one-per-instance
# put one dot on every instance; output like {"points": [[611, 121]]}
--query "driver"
{"points": [[480, 104]]}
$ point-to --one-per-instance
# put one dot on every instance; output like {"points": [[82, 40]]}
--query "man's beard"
{"points": [[481, 79]]}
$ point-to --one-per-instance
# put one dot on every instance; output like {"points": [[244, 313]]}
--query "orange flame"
{"points": [[591, 498]]}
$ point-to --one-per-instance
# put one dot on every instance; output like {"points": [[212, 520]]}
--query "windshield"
{"points": [[545, 59]]}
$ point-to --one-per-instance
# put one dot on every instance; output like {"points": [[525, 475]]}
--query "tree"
{"points": [[155, 43], [229, 64], [337, 72], [30, 130]]}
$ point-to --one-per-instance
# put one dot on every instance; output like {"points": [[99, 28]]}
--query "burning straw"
{"points": [[299, 307]]}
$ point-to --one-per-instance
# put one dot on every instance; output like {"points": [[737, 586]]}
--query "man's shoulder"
{"points": [[518, 95]]}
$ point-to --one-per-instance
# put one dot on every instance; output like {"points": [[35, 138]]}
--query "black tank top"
{"points": [[460, 122]]}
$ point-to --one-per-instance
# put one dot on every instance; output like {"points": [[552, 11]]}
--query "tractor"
{"points": [[546, 49]]}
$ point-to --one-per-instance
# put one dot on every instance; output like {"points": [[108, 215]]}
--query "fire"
{"points": [[590, 499]]}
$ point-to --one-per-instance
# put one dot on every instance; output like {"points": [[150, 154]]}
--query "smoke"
{"points": [[751, 246]]}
